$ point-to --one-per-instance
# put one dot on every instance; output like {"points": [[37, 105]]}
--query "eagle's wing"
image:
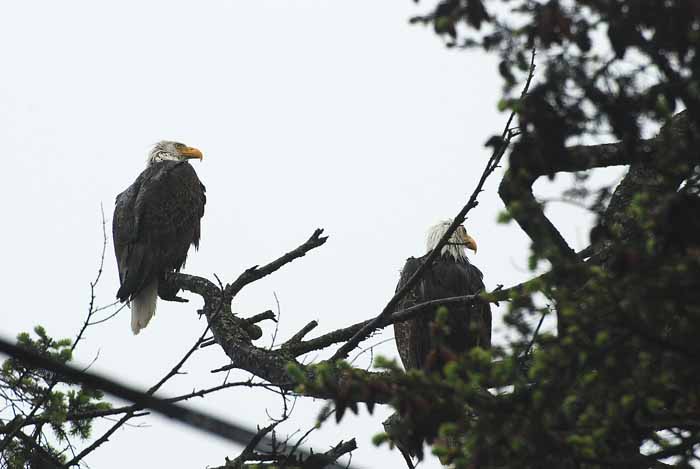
{"points": [[125, 228], [412, 337], [155, 221], [470, 323]]}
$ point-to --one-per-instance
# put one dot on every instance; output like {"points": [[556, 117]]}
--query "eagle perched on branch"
{"points": [[156, 219], [451, 274], [469, 324]]}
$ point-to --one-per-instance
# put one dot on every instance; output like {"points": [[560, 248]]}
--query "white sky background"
{"points": [[333, 114]]}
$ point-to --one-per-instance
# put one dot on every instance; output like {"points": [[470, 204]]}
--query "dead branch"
{"points": [[256, 273], [340, 335], [296, 338]]}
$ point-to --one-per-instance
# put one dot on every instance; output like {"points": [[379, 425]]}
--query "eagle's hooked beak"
{"points": [[191, 152], [469, 242]]}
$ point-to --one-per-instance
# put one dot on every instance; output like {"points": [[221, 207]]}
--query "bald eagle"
{"points": [[451, 274], [155, 221]]}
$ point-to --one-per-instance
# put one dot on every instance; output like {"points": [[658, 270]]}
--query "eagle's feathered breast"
{"points": [[155, 221], [469, 324]]}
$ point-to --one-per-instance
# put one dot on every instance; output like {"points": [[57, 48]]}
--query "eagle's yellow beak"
{"points": [[190, 152], [469, 242]]}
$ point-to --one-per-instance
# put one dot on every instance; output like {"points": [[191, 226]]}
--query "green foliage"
{"points": [[53, 402], [380, 438], [504, 217]]}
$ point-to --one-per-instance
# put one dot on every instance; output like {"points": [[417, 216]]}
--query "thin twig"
{"points": [[534, 335], [277, 323], [100, 321], [370, 349]]}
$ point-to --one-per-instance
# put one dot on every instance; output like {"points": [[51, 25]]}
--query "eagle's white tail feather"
{"points": [[143, 307]]}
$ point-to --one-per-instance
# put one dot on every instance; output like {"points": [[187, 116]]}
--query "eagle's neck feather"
{"points": [[455, 251], [160, 156]]}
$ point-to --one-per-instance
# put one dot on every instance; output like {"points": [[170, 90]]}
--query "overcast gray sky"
{"points": [[333, 114]]}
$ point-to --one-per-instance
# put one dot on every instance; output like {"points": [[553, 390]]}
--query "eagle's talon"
{"points": [[176, 299]]}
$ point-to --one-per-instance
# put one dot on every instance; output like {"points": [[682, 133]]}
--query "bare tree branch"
{"points": [[319, 461], [256, 273], [297, 338], [340, 335]]}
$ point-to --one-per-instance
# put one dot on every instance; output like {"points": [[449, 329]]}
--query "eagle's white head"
{"points": [[455, 246], [171, 151]]}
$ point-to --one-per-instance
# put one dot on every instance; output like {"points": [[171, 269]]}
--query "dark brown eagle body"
{"points": [[469, 324], [156, 219]]}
